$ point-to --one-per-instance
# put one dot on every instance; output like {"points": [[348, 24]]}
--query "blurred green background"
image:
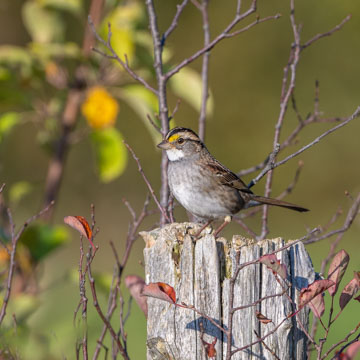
{"points": [[245, 80]]}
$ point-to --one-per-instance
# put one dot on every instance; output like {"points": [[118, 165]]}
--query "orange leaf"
{"points": [[210, 349], [160, 290], [80, 224], [262, 318]]}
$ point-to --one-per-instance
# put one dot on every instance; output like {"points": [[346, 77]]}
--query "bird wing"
{"points": [[228, 178]]}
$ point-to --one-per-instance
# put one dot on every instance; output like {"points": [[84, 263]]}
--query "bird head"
{"points": [[181, 143]]}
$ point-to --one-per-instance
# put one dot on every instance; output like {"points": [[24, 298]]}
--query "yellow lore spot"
{"points": [[100, 109], [173, 138]]}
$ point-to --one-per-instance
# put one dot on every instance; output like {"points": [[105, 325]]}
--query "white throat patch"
{"points": [[174, 154]]}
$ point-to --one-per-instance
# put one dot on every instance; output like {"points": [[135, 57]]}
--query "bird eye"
{"points": [[180, 140]]}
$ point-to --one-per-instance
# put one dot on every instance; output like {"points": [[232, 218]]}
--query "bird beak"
{"points": [[165, 145]]}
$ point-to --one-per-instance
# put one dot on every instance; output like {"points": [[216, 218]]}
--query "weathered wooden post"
{"points": [[200, 272]]}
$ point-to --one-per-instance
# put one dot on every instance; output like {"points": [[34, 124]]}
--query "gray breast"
{"points": [[198, 193]]}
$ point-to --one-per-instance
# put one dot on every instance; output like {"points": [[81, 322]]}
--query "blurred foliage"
{"points": [[35, 81], [42, 239]]}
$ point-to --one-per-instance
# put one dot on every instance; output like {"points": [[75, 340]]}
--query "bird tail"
{"points": [[258, 200]]}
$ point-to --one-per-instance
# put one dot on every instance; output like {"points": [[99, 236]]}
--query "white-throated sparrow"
{"points": [[202, 185]]}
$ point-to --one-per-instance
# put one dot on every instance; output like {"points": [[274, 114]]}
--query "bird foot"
{"points": [[197, 235], [227, 221]]}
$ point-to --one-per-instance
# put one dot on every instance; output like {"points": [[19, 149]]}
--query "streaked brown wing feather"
{"points": [[228, 178]]}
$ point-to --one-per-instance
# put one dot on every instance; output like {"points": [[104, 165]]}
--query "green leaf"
{"points": [[144, 103], [43, 25], [42, 239], [111, 154], [18, 191], [187, 84], [48, 51], [73, 6], [103, 281], [24, 305], [7, 122], [15, 57]]}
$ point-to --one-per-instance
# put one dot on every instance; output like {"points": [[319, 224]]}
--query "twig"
{"points": [[174, 23], [83, 301], [352, 213], [115, 56], [269, 166], [238, 17], [346, 338], [131, 237], [152, 192], [245, 227], [205, 69], [266, 347], [337, 356], [315, 141], [102, 316], [153, 123], [285, 97], [292, 185], [257, 21], [14, 242], [328, 33]]}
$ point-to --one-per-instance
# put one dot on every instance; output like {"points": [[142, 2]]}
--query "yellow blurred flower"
{"points": [[100, 109], [4, 256]]}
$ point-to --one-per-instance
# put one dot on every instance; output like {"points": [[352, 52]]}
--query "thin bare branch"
{"points": [[266, 347], [14, 242], [315, 141], [116, 57], [352, 213], [269, 166], [288, 86], [179, 9], [205, 69], [153, 123], [256, 22], [163, 104], [328, 33], [345, 339], [238, 17], [152, 192]]}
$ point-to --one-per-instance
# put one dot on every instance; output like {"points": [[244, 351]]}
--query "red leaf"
{"points": [[135, 284], [337, 270], [262, 318], [274, 264], [80, 224], [160, 290], [349, 291], [352, 350], [317, 305], [210, 349], [309, 293]]}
